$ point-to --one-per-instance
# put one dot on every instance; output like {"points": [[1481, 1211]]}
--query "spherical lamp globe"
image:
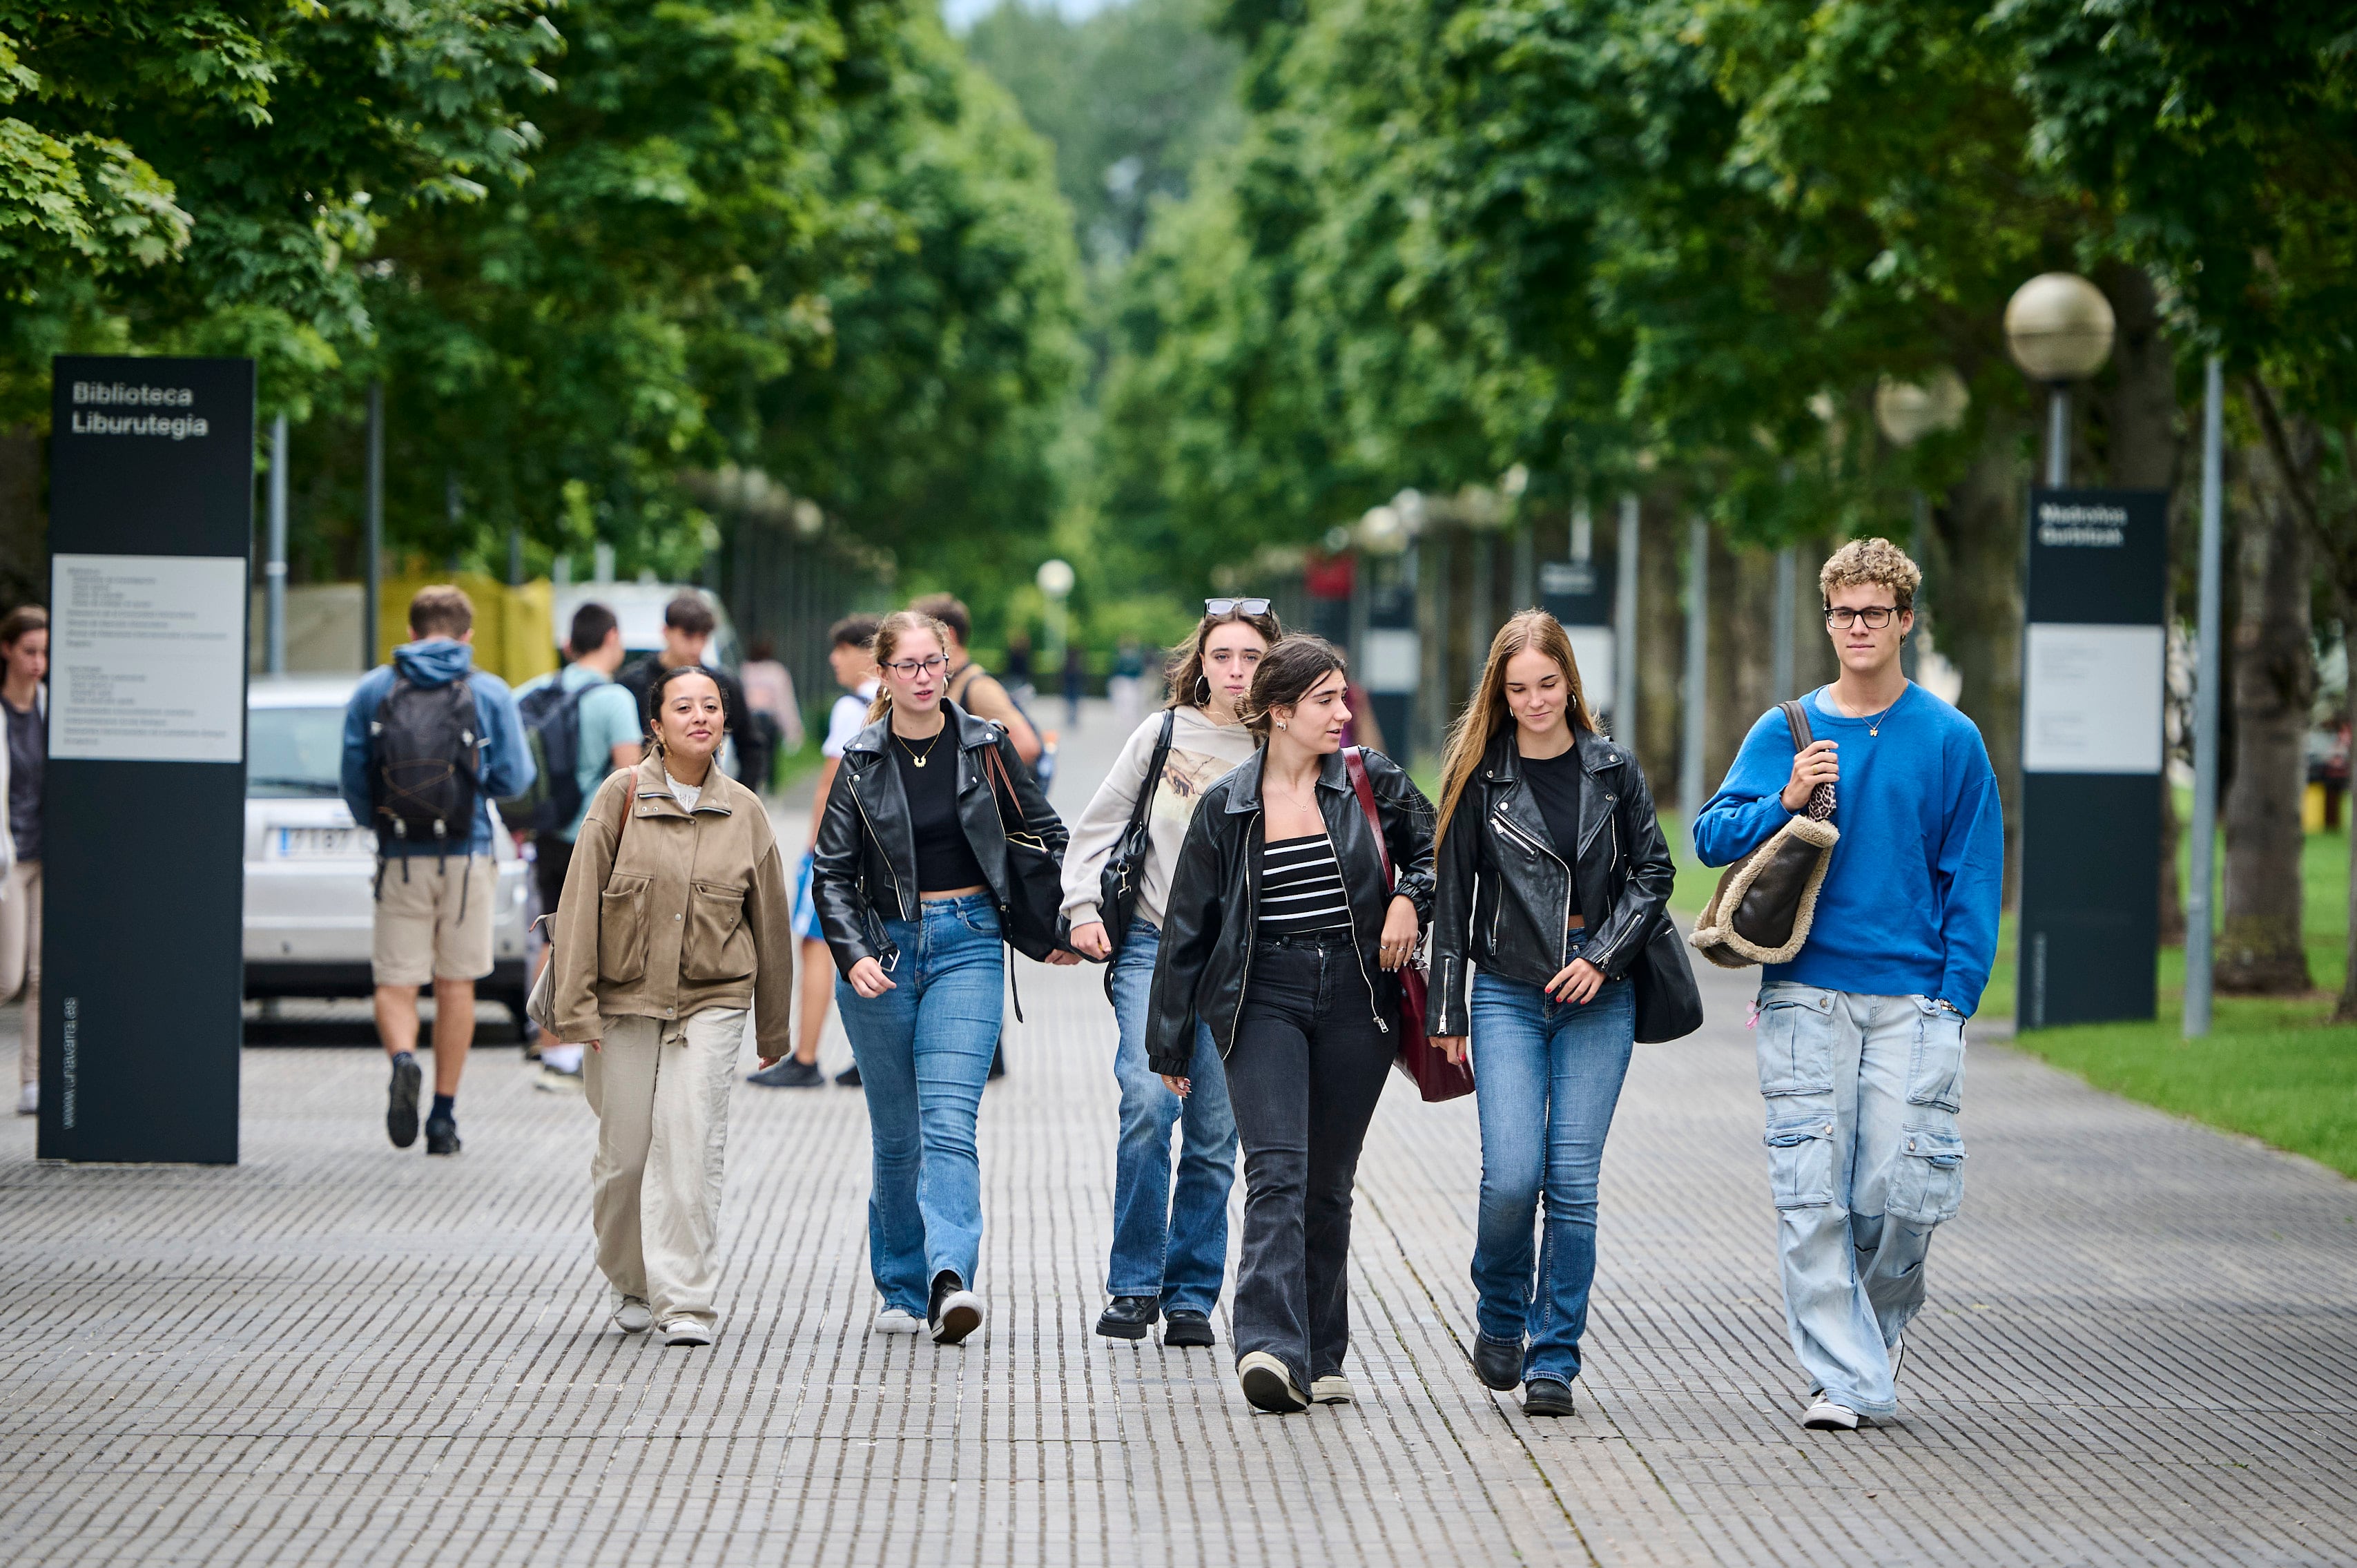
{"points": [[1055, 578], [2058, 328]]}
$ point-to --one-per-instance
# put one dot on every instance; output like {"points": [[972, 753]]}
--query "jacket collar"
{"points": [[1244, 795], [1504, 763], [652, 789], [972, 734]]}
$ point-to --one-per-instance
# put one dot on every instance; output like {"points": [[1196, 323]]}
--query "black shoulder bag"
{"points": [[1124, 868]]}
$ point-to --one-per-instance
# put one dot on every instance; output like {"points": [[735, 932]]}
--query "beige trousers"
{"points": [[20, 960], [661, 1089]]}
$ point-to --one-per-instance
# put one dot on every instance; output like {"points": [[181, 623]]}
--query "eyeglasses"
{"points": [[1876, 617], [909, 668], [1235, 607]]}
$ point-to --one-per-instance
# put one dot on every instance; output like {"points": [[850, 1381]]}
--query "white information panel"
{"points": [[2092, 699], [1392, 655], [147, 658], [1592, 646]]}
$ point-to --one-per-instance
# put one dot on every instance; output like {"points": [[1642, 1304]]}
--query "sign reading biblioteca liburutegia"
{"points": [[2093, 669], [151, 522]]}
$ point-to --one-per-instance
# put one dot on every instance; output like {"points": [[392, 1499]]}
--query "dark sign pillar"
{"points": [[1578, 593], [151, 524], [2093, 663]]}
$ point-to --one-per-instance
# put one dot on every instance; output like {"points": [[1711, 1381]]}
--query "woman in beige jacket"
{"points": [[673, 921]]}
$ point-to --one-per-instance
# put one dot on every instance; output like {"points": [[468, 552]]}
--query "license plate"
{"points": [[321, 843]]}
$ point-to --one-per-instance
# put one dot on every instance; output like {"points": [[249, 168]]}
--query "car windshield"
{"points": [[293, 752]]}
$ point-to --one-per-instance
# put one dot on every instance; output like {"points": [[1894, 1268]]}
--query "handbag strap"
{"points": [[1154, 770], [1821, 799], [1364, 788]]}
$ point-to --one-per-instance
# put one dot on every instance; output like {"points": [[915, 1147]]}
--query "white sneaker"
{"points": [[962, 1313], [632, 1316], [686, 1331], [1826, 1416], [1268, 1386], [898, 1320], [1331, 1388], [28, 1100], [1898, 1357]]}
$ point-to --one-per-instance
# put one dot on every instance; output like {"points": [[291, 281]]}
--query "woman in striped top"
{"points": [[1280, 933]]}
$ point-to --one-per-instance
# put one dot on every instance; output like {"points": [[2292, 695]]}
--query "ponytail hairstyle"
{"points": [[1288, 672], [661, 682], [889, 633], [1487, 715], [1184, 670]]}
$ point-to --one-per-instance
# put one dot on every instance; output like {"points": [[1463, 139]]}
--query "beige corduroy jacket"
{"points": [[691, 914]]}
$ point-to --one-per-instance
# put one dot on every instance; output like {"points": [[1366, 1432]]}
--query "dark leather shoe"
{"points": [[441, 1135], [1129, 1316], [1189, 1330], [1547, 1396], [1497, 1362]]}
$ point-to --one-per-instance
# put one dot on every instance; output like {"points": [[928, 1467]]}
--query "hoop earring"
{"points": [[1202, 690]]}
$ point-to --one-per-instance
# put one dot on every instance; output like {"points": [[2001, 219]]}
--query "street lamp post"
{"points": [[2205, 714], [2059, 328], [1905, 412], [1055, 579]]}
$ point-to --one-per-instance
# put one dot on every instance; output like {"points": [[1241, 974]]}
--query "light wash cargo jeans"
{"points": [[1864, 1161]]}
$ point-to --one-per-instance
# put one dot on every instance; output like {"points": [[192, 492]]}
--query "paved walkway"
{"points": [[2141, 1347]]}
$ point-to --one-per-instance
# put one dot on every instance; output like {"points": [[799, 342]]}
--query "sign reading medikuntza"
{"points": [[2093, 668], [151, 522]]}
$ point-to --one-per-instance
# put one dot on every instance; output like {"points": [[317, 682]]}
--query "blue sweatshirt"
{"points": [[508, 768], [1909, 903]]}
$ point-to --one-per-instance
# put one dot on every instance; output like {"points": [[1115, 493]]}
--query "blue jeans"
{"points": [[923, 1050], [1864, 1160], [1548, 1076], [1166, 1242]]}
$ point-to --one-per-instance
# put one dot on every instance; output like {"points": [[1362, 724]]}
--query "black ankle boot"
{"points": [[1129, 1316], [1497, 1362]]}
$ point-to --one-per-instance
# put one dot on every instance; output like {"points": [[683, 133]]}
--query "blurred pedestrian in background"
{"points": [[1126, 684], [688, 626], [851, 655], [582, 720], [1169, 1241], [1018, 664], [772, 708], [674, 922], [1076, 681], [24, 687], [974, 689], [429, 743]]}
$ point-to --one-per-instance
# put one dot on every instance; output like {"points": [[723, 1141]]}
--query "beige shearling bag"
{"points": [[1766, 901]]}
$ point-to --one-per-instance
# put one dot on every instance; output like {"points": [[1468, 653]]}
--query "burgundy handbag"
{"points": [[1425, 1063]]}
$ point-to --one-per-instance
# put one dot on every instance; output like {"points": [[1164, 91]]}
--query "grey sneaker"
{"points": [[1824, 1415], [686, 1331], [632, 1316], [1331, 1388], [1268, 1386], [789, 1074]]}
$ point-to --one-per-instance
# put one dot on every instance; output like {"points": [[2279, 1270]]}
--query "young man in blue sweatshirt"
{"points": [[1861, 1037], [435, 900]]}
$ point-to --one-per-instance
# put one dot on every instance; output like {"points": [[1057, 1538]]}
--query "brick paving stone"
{"points": [[2141, 1347]]}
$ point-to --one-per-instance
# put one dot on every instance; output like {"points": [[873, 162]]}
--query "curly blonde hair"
{"points": [[1871, 561]]}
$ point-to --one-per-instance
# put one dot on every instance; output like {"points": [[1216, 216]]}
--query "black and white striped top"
{"points": [[1301, 888]]}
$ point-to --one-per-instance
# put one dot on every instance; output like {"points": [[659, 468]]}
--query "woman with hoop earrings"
{"points": [[674, 921], [910, 874], [1553, 871], [1283, 933], [1169, 1238]]}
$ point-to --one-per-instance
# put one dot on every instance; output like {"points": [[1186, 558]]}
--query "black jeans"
{"points": [[1304, 1070]]}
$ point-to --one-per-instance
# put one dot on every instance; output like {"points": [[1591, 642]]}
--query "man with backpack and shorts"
{"points": [[429, 743], [581, 725]]}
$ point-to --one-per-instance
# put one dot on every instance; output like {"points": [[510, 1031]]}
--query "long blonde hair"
{"points": [[1487, 715], [889, 633]]}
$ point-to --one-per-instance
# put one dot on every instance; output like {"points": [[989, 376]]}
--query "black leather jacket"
{"points": [[1214, 904], [864, 870], [1507, 888]]}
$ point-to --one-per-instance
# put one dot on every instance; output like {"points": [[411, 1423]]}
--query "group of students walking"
{"points": [[1257, 889]]}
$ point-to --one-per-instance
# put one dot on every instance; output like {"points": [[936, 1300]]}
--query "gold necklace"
{"points": [[914, 755]]}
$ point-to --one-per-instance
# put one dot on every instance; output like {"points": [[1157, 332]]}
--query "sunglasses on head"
{"points": [[1235, 607]]}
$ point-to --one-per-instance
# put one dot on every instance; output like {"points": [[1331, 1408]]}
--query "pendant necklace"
{"points": [[917, 757]]}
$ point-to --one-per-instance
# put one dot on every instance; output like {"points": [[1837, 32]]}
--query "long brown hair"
{"points": [[889, 633], [1530, 631], [1288, 673], [1184, 670]]}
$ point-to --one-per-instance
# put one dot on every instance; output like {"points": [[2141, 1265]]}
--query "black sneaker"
{"points": [[1547, 1396], [1129, 1316], [789, 1074], [441, 1135], [849, 1077], [1187, 1329], [400, 1111]]}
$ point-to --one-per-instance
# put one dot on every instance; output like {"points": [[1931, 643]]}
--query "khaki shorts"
{"points": [[422, 934]]}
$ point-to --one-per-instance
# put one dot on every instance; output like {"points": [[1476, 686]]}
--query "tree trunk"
{"points": [[2345, 1010], [2141, 441], [2259, 945], [1979, 523], [24, 529]]}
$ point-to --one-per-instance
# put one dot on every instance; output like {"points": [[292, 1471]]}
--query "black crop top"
{"points": [[944, 858]]}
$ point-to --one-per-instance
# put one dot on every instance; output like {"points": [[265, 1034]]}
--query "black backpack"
{"points": [[552, 727], [428, 765]]}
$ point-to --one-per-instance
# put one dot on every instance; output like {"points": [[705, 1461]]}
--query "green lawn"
{"points": [[2271, 1065]]}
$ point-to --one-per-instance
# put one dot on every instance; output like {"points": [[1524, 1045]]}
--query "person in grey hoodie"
{"points": [[434, 889], [1170, 1248]]}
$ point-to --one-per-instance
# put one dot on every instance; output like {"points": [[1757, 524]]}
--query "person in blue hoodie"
{"points": [[422, 770], [1861, 1035]]}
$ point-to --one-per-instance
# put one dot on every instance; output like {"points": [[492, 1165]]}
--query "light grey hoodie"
{"points": [[1201, 753]]}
